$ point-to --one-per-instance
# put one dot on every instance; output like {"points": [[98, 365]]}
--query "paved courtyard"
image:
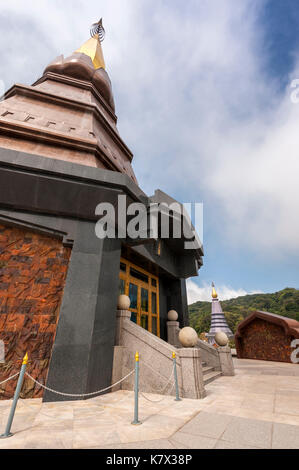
{"points": [[257, 408]]}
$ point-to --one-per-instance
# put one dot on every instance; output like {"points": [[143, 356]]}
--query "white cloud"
{"points": [[203, 293]]}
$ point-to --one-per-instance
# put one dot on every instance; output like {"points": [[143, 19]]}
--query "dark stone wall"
{"points": [[163, 307], [173, 296], [265, 341], [33, 269], [177, 300], [82, 356]]}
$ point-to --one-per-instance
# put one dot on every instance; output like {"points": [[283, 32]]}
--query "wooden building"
{"points": [[267, 337]]}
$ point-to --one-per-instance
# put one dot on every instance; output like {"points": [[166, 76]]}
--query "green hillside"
{"points": [[284, 302]]}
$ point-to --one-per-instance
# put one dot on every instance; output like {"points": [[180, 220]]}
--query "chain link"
{"points": [[79, 394], [157, 401], [162, 391], [153, 370]]}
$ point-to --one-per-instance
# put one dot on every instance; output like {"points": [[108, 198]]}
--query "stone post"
{"points": [[119, 350], [118, 366], [173, 329], [191, 370], [121, 317], [226, 361]]}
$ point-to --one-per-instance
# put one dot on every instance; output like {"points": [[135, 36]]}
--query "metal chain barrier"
{"points": [[160, 399], [79, 394], [9, 378], [153, 370], [162, 391], [136, 421]]}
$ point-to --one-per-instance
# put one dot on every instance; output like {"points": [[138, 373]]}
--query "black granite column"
{"points": [[173, 296], [177, 300], [82, 355]]}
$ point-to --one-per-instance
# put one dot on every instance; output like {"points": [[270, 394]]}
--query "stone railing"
{"points": [[209, 354], [156, 363]]}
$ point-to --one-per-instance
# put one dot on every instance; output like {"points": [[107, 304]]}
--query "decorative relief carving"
{"points": [[33, 270]]}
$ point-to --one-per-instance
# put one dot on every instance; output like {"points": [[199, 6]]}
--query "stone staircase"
{"points": [[209, 373]]}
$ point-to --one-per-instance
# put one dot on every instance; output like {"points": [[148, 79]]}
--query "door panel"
{"points": [[133, 294], [143, 289]]}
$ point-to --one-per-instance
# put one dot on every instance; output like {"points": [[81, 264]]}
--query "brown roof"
{"points": [[290, 326]]}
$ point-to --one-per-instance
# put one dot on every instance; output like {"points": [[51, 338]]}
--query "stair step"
{"points": [[207, 369], [211, 376]]}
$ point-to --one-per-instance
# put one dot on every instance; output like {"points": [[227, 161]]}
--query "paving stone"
{"points": [[232, 445], [153, 444], [285, 404], [95, 436], [191, 441], [249, 432], [285, 436], [207, 424]]}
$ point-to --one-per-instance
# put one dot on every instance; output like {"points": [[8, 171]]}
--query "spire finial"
{"points": [[214, 293], [97, 29], [92, 48]]}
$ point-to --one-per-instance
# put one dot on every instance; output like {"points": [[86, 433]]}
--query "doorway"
{"points": [[143, 289]]}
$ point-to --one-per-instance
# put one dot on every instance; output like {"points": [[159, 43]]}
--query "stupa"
{"points": [[218, 321]]}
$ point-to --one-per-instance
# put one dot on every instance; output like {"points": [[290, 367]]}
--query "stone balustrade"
{"points": [[155, 361], [218, 358]]}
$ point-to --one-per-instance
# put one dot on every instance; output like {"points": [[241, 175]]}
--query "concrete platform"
{"points": [[257, 408]]}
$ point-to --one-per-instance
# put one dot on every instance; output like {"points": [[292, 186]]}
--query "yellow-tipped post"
{"points": [[25, 359], [136, 389], [15, 399]]}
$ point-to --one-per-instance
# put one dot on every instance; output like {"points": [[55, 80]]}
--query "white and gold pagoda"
{"points": [[218, 321]]}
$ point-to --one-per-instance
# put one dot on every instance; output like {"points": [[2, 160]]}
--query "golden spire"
{"points": [[214, 293], [92, 48]]}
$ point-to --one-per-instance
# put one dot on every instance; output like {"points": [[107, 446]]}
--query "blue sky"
{"points": [[239, 267], [280, 20], [202, 88]]}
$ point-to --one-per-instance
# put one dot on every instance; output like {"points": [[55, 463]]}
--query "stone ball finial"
{"points": [[188, 337], [123, 302], [172, 315], [221, 338]]}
